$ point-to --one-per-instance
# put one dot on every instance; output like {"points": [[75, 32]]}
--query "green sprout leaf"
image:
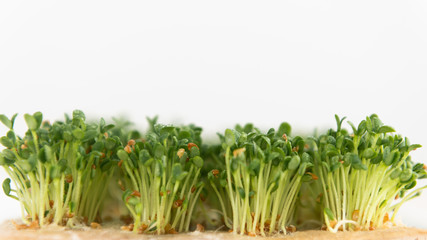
{"points": [[89, 135], [78, 114], [144, 155], [194, 152], [78, 133], [5, 161], [159, 150], [6, 186], [229, 138], [31, 122], [6, 121], [339, 122], [5, 141], [369, 153], [123, 155], [28, 165], [107, 128], [177, 173], [110, 143], [198, 161], [361, 128], [405, 175], [7, 153], [184, 135], [355, 161], [11, 135], [38, 116], [389, 157], [386, 129], [294, 163], [284, 128], [395, 174], [413, 147], [167, 129]]}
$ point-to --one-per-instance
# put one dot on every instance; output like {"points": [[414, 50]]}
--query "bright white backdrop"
{"points": [[218, 63]]}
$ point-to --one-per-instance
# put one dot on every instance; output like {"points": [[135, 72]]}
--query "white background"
{"points": [[217, 63]]}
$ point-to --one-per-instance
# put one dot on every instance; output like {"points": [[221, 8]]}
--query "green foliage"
{"points": [[162, 176], [258, 177], [59, 173], [361, 173], [65, 163]]}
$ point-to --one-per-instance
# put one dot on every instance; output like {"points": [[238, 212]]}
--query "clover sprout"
{"points": [[364, 174], [259, 177], [60, 172], [58, 169], [161, 178]]}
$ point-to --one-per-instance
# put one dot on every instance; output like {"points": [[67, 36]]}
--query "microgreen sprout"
{"points": [[58, 169], [363, 174], [60, 173], [259, 177], [161, 175]]}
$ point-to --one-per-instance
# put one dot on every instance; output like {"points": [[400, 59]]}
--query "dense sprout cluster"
{"points": [[259, 183], [162, 173], [262, 183], [58, 169], [361, 174]]}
